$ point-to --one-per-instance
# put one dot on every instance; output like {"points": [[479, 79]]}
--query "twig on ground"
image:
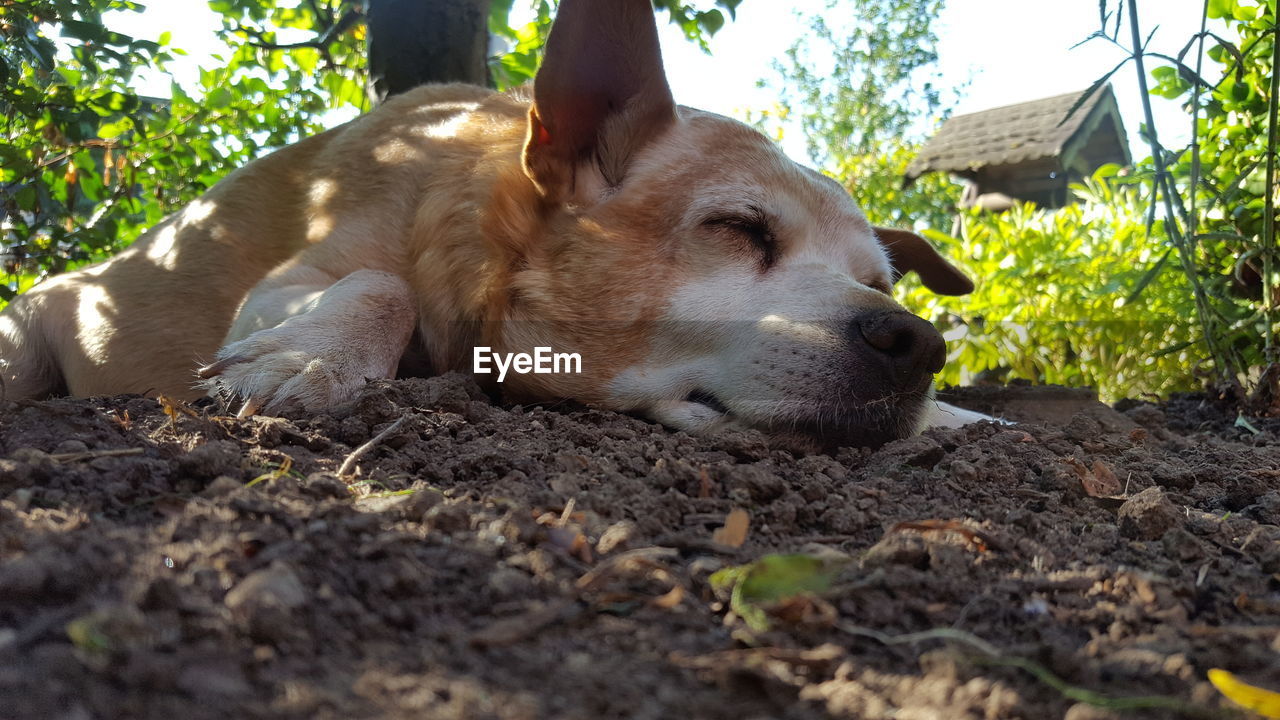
{"points": [[991, 655], [648, 555], [981, 541], [567, 513], [92, 454], [682, 541], [349, 464]]}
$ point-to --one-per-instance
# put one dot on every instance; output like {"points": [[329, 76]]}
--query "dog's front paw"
{"points": [[286, 369]]}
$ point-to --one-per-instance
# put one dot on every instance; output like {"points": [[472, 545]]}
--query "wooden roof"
{"points": [[1024, 133]]}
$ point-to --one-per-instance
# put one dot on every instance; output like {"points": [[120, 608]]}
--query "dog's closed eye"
{"points": [[754, 227]]}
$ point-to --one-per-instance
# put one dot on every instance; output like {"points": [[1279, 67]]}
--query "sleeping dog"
{"points": [[700, 277]]}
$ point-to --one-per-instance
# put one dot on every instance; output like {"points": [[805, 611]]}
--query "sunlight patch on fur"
{"points": [[161, 249], [198, 211], [91, 313], [807, 332], [447, 128]]}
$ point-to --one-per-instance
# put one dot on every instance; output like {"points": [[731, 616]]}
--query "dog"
{"points": [[702, 278]]}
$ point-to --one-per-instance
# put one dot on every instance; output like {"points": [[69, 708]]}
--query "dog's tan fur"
{"points": [[470, 218]]}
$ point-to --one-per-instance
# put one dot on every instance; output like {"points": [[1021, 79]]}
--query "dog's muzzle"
{"points": [[898, 351]]}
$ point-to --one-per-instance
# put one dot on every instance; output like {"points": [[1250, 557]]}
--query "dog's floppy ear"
{"points": [[600, 95], [909, 252]]}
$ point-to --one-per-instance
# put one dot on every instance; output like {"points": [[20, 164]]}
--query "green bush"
{"points": [[1218, 195], [875, 182], [1053, 304], [1230, 240]]}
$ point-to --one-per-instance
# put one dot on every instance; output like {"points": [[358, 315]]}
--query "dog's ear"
{"points": [[600, 95], [909, 252]]}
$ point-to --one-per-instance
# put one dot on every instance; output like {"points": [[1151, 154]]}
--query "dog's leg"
{"points": [[301, 343], [27, 366]]}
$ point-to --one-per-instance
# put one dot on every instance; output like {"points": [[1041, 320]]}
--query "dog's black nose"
{"points": [[909, 345]]}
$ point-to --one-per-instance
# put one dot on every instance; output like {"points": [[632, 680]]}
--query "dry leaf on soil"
{"points": [[1099, 481], [734, 532], [982, 542]]}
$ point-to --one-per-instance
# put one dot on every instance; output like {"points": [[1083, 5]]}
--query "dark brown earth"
{"points": [[555, 563]]}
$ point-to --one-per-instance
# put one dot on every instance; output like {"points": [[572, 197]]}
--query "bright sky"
{"points": [[1006, 51]]}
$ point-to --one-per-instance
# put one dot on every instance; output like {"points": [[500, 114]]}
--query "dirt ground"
{"points": [[489, 562]]}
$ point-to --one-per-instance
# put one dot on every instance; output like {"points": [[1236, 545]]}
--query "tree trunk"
{"points": [[413, 42]]}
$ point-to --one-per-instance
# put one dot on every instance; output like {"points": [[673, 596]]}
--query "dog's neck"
{"points": [[466, 285]]}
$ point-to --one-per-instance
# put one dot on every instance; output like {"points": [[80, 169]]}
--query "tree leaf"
{"points": [[711, 21], [1147, 277], [772, 579], [1221, 8], [777, 577]]}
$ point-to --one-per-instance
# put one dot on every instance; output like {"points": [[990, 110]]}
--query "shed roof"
{"points": [[1016, 134]]}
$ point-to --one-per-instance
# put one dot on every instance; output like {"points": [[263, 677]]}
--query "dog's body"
{"points": [[705, 279]]}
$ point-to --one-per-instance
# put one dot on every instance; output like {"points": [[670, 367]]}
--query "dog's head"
{"points": [[705, 279]]}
